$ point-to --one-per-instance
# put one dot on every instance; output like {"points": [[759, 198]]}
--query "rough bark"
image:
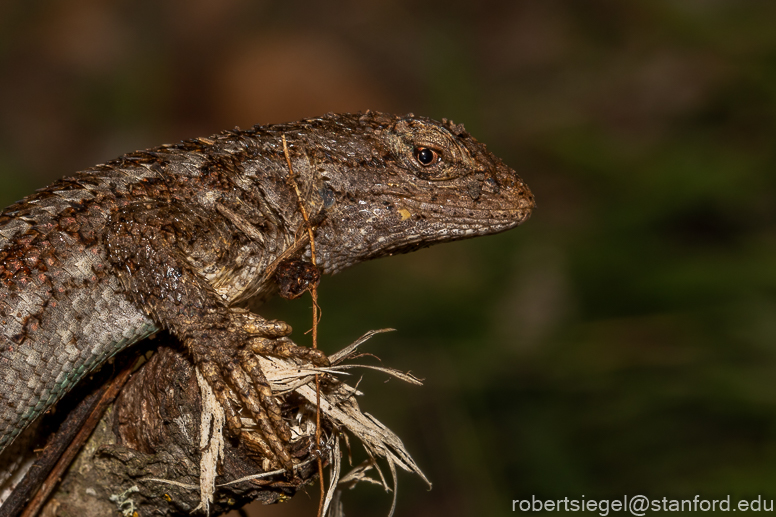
{"points": [[152, 431]]}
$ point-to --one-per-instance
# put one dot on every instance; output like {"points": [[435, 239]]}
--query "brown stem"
{"points": [[314, 294]]}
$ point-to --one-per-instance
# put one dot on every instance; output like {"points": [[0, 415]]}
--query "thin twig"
{"points": [[314, 294]]}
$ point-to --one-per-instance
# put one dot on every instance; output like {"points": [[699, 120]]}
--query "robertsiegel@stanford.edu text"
{"points": [[639, 505]]}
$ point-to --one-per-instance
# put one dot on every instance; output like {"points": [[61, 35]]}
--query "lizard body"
{"points": [[185, 237]]}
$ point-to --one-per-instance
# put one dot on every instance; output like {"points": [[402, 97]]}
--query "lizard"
{"points": [[186, 237]]}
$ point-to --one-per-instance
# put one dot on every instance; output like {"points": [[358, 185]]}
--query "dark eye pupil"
{"points": [[425, 155]]}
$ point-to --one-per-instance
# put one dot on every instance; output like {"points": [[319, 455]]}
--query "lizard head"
{"points": [[412, 183]]}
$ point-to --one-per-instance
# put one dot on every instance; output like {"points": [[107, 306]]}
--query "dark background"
{"points": [[622, 342]]}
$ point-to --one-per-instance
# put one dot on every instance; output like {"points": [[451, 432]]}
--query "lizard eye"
{"points": [[427, 156]]}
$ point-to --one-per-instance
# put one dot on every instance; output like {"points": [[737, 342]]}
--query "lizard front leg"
{"points": [[150, 244]]}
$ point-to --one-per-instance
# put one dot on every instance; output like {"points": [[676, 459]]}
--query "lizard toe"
{"points": [[287, 349]]}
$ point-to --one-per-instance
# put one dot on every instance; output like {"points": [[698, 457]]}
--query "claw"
{"points": [[265, 410], [256, 444], [209, 371], [250, 364]]}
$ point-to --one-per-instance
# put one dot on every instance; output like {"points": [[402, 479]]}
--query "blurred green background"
{"points": [[621, 342]]}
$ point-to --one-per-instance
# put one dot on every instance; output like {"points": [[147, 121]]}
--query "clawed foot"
{"points": [[239, 369]]}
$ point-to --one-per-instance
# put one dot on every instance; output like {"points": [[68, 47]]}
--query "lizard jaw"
{"points": [[428, 231]]}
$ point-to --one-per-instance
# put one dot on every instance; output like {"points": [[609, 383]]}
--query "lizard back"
{"points": [[62, 313]]}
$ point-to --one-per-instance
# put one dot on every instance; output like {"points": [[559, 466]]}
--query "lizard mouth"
{"points": [[466, 216], [431, 230]]}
